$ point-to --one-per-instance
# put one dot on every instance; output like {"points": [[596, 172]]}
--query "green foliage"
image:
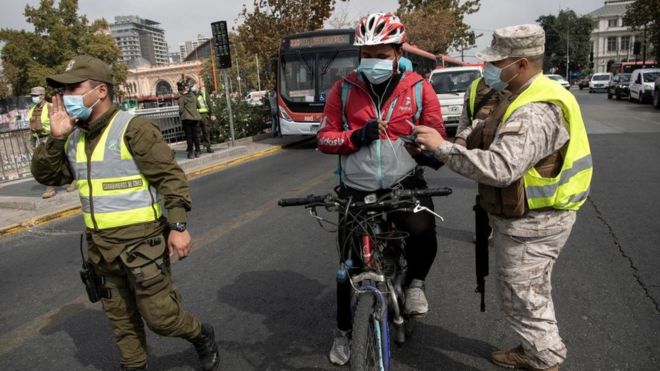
{"points": [[422, 18], [59, 34], [566, 26], [643, 13], [262, 29], [248, 120]]}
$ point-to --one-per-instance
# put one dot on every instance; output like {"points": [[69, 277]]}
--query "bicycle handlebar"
{"points": [[397, 196], [309, 200]]}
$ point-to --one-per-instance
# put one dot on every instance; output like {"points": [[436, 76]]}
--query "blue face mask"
{"points": [[75, 106], [376, 70], [492, 76], [193, 89], [36, 100]]}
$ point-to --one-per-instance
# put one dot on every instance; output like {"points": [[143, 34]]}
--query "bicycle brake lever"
{"points": [[419, 208]]}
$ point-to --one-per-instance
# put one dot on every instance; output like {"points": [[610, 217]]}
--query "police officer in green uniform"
{"points": [[124, 169], [205, 124], [40, 125]]}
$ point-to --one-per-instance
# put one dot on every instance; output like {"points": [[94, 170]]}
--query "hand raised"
{"points": [[61, 124]]}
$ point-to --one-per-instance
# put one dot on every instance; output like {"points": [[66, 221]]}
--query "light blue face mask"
{"points": [[75, 106], [36, 100], [376, 70], [193, 89], [492, 76]]}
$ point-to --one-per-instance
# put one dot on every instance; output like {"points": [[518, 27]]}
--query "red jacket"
{"points": [[361, 108]]}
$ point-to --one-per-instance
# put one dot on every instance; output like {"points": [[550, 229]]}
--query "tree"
{"points": [[645, 13], [422, 18], [262, 28], [59, 34], [562, 30]]}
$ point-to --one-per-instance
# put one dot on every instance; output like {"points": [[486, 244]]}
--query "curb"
{"points": [[192, 173]]}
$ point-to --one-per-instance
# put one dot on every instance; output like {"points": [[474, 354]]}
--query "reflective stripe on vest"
{"points": [[113, 192], [473, 97], [203, 107], [570, 188], [45, 119]]}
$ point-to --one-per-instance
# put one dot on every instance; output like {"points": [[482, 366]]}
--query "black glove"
{"points": [[426, 158], [367, 134]]}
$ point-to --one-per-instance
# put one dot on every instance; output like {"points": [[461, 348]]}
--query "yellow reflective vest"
{"points": [[202, 107], [570, 188], [113, 192], [45, 119]]}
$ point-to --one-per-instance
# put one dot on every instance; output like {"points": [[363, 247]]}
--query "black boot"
{"points": [[207, 348], [197, 153], [190, 155], [209, 149]]}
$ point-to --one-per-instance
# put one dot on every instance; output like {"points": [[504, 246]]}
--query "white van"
{"points": [[450, 85], [642, 84], [256, 98], [600, 81]]}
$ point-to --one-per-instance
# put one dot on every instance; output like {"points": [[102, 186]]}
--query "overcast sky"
{"points": [[183, 19]]}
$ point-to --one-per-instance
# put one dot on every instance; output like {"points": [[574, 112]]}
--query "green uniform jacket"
{"points": [[188, 107], [154, 158]]}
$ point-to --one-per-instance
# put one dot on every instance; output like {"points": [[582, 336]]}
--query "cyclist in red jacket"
{"points": [[366, 115]]}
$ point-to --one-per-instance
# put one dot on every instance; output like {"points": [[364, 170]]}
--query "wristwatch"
{"points": [[179, 227]]}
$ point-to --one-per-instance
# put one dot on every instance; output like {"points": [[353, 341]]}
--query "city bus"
{"points": [[307, 66]]}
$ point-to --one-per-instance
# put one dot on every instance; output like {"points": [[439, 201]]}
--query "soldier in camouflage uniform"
{"points": [[532, 179]]}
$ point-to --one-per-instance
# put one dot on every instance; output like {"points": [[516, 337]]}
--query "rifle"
{"points": [[483, 230]]}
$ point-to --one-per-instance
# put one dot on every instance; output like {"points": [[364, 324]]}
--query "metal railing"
{"points": [[16, 149]]}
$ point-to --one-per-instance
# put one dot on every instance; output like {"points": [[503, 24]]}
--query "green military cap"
{"points": [[524, 40], [82, 68]]}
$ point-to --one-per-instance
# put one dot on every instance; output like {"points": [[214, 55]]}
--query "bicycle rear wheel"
{"points": [[364, 343]]}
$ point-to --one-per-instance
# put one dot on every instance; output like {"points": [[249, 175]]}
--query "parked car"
{"points": [[642, 84], [600, 81], [450, 85], [256, 98], [620, 86], [656, 93], [560, 79], [584, 82]]}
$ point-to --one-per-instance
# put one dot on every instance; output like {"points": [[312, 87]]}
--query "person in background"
{"points": [[190, 118]]}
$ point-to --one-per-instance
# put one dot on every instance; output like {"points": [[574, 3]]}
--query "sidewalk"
{"points": [[21, 205]]}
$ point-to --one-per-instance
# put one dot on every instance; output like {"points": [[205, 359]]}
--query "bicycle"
{"points": [[373, 260]]}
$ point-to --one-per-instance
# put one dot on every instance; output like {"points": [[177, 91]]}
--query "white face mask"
{"points": [[376, 70]]}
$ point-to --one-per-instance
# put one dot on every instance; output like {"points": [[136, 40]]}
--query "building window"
{"points": [[611, 44], [613, 22], [625, 43]]}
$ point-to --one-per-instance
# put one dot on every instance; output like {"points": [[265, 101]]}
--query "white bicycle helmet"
{"points": [[378, 29]]}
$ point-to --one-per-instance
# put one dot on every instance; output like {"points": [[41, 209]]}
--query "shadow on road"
{"points": [[298, 313]]}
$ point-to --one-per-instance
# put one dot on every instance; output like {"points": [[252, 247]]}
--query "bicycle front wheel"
{"points": [[365, 346]]}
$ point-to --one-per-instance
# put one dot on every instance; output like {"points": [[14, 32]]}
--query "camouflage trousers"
{"points": [[142, 291], [524, 270]]}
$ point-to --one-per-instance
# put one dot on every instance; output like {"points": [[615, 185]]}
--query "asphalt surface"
{"points": [[264, 276]]}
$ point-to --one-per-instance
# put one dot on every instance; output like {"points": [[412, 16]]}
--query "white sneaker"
{"points": [[340, 353], [416, 303]]}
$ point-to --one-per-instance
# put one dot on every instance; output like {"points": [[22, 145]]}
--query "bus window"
{"points": [[334, 66], [297, 77]]}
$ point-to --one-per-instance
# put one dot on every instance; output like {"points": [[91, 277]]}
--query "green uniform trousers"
{"points": [[205, 128], [142, 291]]}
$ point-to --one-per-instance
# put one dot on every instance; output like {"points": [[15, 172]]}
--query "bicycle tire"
{"points": [[363, 347]]}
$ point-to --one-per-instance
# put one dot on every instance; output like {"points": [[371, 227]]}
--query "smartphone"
{"points": [[409, 139]]}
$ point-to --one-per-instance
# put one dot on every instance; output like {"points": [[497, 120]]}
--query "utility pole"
{"points": [[568, 60], [256, 56], [644, 49]]}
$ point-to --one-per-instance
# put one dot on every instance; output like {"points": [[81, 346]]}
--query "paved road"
{"points": [[263, 276]]}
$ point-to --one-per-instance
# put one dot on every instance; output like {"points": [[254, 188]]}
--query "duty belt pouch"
{"points": [[146, 261]]}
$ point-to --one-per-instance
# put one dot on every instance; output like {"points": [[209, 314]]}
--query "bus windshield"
{"points": [[299, 72], [453, 82]]}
